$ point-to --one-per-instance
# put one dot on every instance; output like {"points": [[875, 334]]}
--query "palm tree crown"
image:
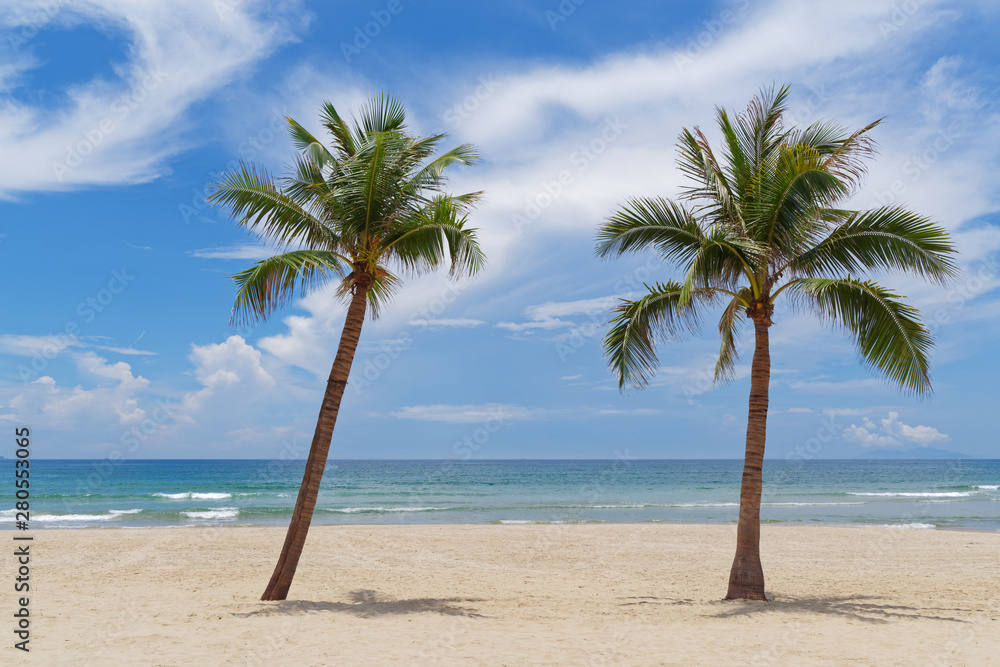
{"points": [[364, 211], [767, 218]]}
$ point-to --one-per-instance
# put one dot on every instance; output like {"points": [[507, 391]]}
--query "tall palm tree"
{"points": [[364, 212], [760, 222]]}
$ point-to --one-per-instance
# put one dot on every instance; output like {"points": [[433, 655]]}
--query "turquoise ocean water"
{"points": [[914, 494]]}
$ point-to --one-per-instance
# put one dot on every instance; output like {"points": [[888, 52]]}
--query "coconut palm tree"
{"points": [[364, 212], [759, 221]]}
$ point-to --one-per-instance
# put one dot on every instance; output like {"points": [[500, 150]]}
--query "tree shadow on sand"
{"points": [[368, 604], [866, 608]]}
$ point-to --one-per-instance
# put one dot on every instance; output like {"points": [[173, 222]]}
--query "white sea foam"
{"points": [[989, 487], [909, 526], [76, 518], [706, 505], [908, 494], [355, 510], [194, 496], [810, 504], [515, 521], [221, 513]]}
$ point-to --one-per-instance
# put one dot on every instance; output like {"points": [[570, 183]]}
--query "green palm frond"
{"points": [[434, 235], [271, 283], [630, 344], [732, 317], [792, 189], [309, 145], [885, 238], [655, 223], [383, 113], [338, 129], [888, 331], [697, 160], [721, 261], [255, 200]]}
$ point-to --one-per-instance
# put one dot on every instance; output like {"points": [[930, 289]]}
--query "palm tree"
{"points": [[367, 210], [762, 222]]}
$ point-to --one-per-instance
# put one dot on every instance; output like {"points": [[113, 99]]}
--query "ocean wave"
{"points": [[56, 518], [515, 521], [221, 513], [908, 526], [380, 510], [914, 494], [809, 504], [705, 505], [194, 496], [989, 487]]}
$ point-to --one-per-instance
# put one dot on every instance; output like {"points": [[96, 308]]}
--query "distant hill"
{"points": [[915, 453]]}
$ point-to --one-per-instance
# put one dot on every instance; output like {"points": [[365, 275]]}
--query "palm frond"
{"points": [[636, 327], [885, 238], [255, 200], [271, 283], [887, 330], [655, 223], [732, 316], [309, 145]]}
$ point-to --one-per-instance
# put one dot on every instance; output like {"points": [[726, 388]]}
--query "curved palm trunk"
{"points": [[295, 539], [746, 579]]}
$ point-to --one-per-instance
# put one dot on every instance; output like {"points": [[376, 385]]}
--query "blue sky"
{"points": [[114, 114]]}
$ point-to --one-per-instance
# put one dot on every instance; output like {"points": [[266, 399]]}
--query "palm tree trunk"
{"points": [[295, 539], [746, 579]]}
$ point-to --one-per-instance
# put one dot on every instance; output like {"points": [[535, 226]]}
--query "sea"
{"points": [[959, 494]]}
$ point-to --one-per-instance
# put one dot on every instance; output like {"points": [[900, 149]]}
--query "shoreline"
{"points": [[913, 525]]}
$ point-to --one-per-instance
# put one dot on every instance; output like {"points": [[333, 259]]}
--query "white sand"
{"points": [[510, 595]]}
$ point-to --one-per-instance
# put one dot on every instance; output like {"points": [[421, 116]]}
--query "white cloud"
{"points": [[547, 315], [120, 129], [254, 252], [471, 414], [228, 372], [114, 398], [446, 322], [503, 413], [890, 432]]}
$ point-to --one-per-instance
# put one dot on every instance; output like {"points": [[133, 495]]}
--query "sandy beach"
{"points": [[512, 595]]}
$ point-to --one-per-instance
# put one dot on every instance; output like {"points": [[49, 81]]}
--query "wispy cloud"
{"points": [[470, 414], [244, 251], [120, 129]]}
